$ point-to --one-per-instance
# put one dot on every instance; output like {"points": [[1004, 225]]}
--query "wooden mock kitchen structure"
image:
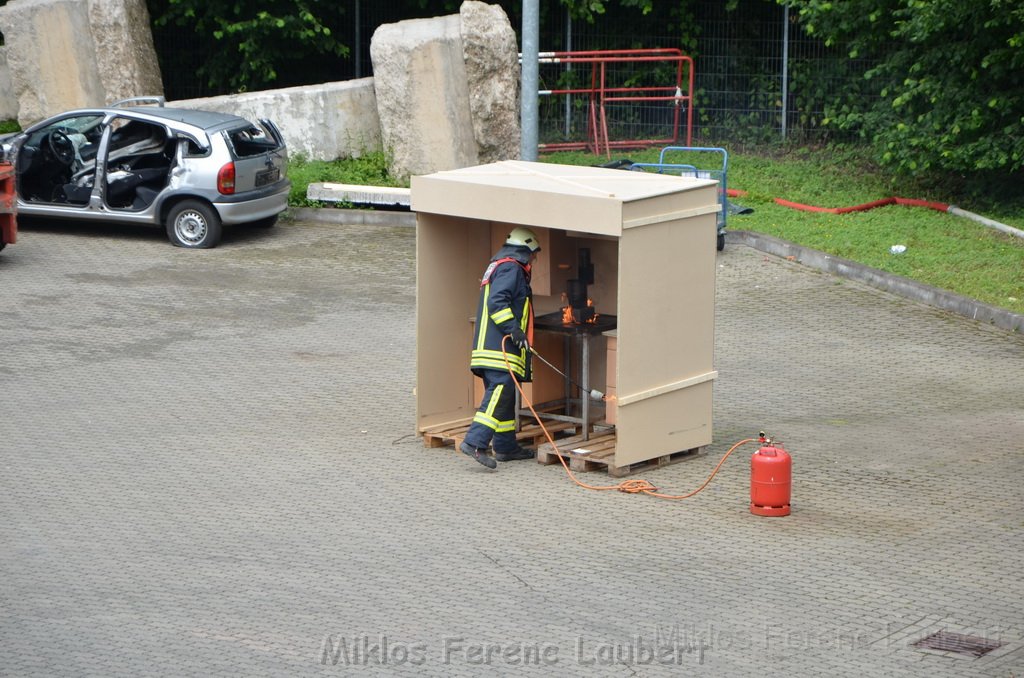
{"points": [[650, 242]]}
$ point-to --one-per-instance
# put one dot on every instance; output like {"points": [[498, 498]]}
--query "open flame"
{"points": [[567, 317]]}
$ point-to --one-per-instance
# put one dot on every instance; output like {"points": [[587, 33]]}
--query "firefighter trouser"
{"points": [[496, 417]]}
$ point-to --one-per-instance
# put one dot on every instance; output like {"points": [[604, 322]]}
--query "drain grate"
{"points": [[948, 641]]}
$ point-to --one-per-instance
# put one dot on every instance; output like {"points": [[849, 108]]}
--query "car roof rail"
{"points": [[139, 101]]}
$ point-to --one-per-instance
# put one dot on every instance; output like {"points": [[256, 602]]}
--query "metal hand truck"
{"points": [[718, 173]]}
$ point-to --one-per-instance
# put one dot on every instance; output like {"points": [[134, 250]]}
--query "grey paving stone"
{"points": [[207, 469]]}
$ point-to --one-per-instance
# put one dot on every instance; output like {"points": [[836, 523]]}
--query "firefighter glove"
{"points": [[518, 338]]}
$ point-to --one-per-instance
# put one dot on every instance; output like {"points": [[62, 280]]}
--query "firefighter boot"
{"points": [[478, 454], [514, 455]]}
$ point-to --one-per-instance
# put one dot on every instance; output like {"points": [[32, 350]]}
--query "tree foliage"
{"points": [[950, 74], [249, 45], [588, 9], [234, 46], [945, 93]]}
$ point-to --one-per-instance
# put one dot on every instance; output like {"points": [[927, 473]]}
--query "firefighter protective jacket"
{"points": [[506, 302]]}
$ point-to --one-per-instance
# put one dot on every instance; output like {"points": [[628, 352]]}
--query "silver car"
{"points": [[189, 171]]}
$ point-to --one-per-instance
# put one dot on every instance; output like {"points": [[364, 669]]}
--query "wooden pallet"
{"points": [[531, 435], [599, 455]]}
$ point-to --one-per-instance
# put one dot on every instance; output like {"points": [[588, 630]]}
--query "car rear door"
{"points": [[260, 156]]}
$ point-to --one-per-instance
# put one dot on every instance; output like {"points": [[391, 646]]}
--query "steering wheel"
{"points": [[61, 146]]}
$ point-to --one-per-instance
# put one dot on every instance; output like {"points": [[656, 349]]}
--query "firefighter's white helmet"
{"points": [[523, 237]]}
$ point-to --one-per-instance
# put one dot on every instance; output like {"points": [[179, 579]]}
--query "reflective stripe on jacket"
{"points": [[505, 303]]}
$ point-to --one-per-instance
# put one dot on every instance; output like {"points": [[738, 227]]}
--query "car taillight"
{"points": [[226, 179]]}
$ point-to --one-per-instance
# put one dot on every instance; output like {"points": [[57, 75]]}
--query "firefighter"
{"points": [[505, 309]]}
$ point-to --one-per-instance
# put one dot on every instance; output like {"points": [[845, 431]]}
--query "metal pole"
{"points": [[568, 69], [785, 68], [530, 80], [585, 383], [359, 44]]}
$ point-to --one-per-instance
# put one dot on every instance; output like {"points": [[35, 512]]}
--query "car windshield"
{"points": [[80, 124]]}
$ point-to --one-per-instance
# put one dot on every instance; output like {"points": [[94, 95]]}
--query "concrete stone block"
{"points": [[321, 122], [423, 95], [50, 54], [68, 54], [125, 56], [448, 89], [492, 71], [8, 103]]}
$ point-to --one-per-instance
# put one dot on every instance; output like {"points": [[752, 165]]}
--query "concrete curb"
{"points": [[334, 215], [911, 289], [904, 287]]}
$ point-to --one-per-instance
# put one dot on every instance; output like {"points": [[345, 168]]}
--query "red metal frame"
{"points": [[600, 94], [8, 206]]}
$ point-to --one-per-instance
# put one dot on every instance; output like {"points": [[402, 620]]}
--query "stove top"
{"points": [[552, 322]]}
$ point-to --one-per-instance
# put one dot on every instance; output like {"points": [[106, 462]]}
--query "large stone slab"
{"points": [[8, 103], [322, 122], [423, 95], [125, 55], [492, 72], [448, 90], [65, 54], [50, 54]]}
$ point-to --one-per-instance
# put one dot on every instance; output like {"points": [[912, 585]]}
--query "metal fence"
{"points": [[759, 78]]}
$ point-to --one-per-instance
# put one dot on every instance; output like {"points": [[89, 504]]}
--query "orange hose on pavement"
{"points": [[633, 486]]}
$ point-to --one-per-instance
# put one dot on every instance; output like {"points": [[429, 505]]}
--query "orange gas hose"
{"points": [[632, 486]]}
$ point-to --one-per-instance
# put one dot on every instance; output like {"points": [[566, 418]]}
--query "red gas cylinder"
{"points": [[770, 474]]}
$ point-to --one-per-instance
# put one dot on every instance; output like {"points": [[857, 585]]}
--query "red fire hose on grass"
{"points": [[940, 206], [909, 202]]}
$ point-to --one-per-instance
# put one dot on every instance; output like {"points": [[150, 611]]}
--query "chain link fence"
{"points": [[759, 78], [742, 60]]}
